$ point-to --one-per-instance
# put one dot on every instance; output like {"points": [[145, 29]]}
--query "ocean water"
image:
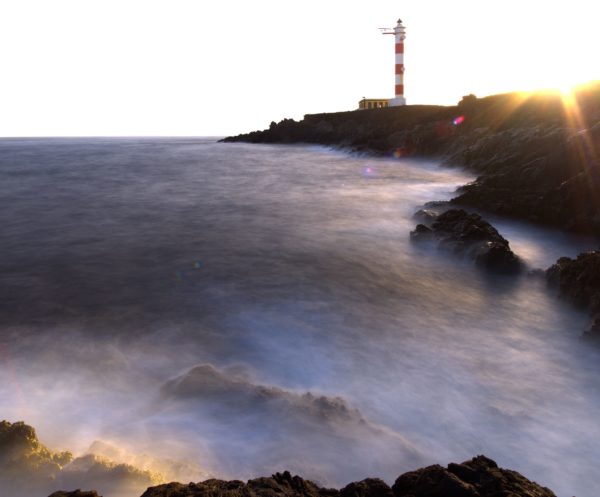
{"points": [[233, 310]]}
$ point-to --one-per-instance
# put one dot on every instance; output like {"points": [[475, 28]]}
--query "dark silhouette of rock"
{"points": [[422, 233], [578, 281], [279, 485], [469, 234], [371, 487], [479, 477], [75, 493], [426, 216]]}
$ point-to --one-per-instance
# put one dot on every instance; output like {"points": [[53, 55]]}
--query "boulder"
{"points": [[370, 487], [468, 234], [479, 477]]}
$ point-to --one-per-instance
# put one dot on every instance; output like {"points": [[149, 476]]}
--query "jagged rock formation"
{"points": [[536, 159], [27, 467], [578, 281], [468, 235], [479, 477]]}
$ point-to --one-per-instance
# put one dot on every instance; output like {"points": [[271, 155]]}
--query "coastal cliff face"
{"points": [[537, 156]]}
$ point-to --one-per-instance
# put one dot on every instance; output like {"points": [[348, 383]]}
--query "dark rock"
{"points": [[75, 493], [479, 477], [578, 281], [499, 258], [371, 487], [469, 234], [421, 233], [278, 485], [426, 216], [432, 481]]}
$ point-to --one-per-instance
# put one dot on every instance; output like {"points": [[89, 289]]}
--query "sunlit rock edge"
{"points": [[25, 460]]}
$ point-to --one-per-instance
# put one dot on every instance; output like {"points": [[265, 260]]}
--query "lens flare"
{"points": [[369, 172], [458, 120]]}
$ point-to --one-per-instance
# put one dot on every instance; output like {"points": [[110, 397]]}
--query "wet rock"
{"points": [[426, 216], [578, 281], [479, 477], [470, 235], [371, 487], [278, 485], [421, 233]]}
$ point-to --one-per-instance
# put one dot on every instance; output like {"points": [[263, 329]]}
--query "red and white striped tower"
{"points": [[400, 34]]}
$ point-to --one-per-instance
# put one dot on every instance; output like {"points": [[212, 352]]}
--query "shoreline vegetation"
{"points": [[25, 460], [536, 156]]}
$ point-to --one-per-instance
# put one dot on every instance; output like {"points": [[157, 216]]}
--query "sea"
{"points": [[231, 310]]}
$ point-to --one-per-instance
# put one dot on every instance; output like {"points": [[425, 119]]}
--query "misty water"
{"points": [[245, 309]]}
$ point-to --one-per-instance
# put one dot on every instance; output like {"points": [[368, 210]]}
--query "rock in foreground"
{"points": [[479, 477], [75, 493], [469, 235]]}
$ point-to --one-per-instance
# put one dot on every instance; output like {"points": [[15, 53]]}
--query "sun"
{"points": [[567, 94]]}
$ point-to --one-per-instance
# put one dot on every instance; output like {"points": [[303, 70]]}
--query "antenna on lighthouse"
{"points": [[400, 34]]}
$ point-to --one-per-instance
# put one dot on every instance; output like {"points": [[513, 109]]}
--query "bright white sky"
{"points": [[195, 67]]}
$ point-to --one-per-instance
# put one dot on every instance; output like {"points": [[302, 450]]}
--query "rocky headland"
{"points": [[536, 157]]}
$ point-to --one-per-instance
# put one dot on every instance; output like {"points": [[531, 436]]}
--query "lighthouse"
{"points": [[399, 33]]}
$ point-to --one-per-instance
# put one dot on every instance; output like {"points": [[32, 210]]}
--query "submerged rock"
{"points": [[578, 281], [468, 234], [479, 477]]}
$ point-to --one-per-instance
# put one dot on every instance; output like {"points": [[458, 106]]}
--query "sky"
{"points": [[214, 68]]}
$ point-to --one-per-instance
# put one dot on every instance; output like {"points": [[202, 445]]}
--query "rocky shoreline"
{"points": [[27, 467], [536, 156]]}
